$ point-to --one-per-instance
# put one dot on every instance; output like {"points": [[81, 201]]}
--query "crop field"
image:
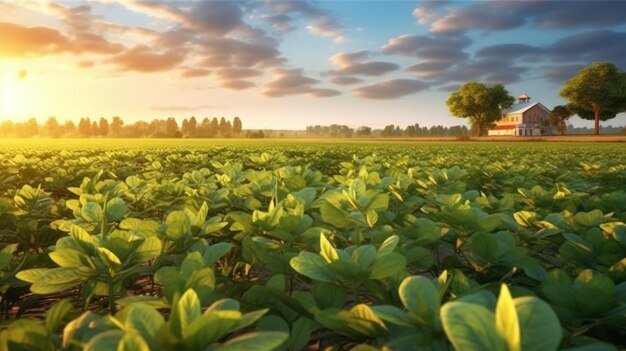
{"points": [[310, 245]]}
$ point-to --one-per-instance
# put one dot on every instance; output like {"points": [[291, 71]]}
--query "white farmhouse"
{"points": [[523, 119]]}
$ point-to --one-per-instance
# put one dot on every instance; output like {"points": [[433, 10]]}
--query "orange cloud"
{"points": [[17, 40], [141, 59]]}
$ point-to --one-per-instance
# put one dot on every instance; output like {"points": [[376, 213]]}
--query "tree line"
{"points": [[597, 92], [117, 128], [389, 131]]}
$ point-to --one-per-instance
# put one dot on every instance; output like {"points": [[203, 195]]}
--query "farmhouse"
{"points": [[523, 118]]}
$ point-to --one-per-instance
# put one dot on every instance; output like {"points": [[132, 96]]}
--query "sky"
{"points": [[291, 64]]}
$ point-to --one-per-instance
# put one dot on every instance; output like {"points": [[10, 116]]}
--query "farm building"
{"points": [[523, 118]]}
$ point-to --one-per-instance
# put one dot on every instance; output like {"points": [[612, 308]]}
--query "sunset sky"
{"points": [[289, 64]]}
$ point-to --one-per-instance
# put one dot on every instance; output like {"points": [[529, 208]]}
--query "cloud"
{"points": [[345, 80], [597, 45], [18, 41], [510, 52], [194, 72], [428, 11], [430, 69], [293, 82], [390, 89], [559, 74], [429, 47], [350, 64], [498, 15], [142, 59], [320, 22]]}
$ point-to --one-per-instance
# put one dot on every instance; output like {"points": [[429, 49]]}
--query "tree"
{"points": [[481, 103], [558, 118], [171, 128], [192, 127], [596, 92], [53, 129], [84, 127], [115, 128], [69, 128], [103, 126], [214, 128], [237, 126]]}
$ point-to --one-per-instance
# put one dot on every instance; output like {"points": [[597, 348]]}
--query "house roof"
{"points": [[522, 107], [507, 127]]}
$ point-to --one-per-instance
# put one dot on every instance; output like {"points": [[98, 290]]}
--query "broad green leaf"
{"points": [[132, 342], [177, 225], [144, 320], [471, 327], [419, 295], [92, 212], [301, 333], [109, 258], [57, 314], [589, 219], [387, 266], [371, 216], [116, 209], [539, 326], [106, 341], [257, 341], [507, 323], [312, 266], [327, 250]]}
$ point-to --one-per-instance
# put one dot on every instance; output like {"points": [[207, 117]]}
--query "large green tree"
{"points": [[597, 92], [481, 103], [559, 116]]}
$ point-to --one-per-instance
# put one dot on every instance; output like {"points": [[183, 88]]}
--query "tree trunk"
{"points": [[596, 125]]}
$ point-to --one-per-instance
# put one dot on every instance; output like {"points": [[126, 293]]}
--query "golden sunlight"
{"points": [[13, 93]]}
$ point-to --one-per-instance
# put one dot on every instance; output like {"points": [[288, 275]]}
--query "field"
{"points": [[292, 245]]}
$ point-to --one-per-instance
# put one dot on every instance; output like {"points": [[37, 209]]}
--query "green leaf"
{"points": [[506, 320], [387, 266], [379, 203], [539, 325], [371, 216], [471, 327], [419, 295], [258, 341], [69, 258], [177, 225], [92, 212], [327, 250], [106, 341], [109, 259], [388, 245], [276, 324], [57, 314], [133, 342], [312, 266], [216, 251], [589, 219], [56, 280], [364, 256], [116, 209], [301, 333], [146, 321]]}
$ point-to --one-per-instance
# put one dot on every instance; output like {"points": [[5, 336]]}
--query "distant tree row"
{"points": [[116, 128], [389, 131]]}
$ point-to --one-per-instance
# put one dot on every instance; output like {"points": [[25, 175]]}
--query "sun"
{"points": [[12, 95]]}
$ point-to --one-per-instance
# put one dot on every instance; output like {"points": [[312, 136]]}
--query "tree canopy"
{"points": [[559, 116], [597, 92], [481, 103]]}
